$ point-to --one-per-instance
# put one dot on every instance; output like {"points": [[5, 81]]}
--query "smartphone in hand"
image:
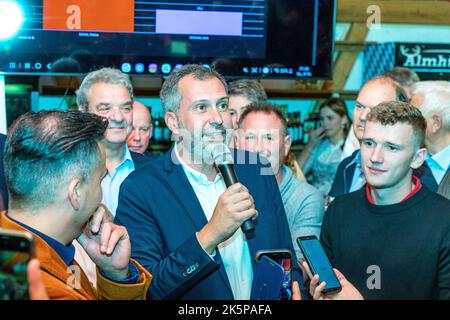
{"points": [[268, 280], [319, 264], [16, 250], [283, 257]]}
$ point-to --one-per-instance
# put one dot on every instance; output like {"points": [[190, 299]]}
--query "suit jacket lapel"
{"points": [[138, 159], [183, 190], [426, 177]]}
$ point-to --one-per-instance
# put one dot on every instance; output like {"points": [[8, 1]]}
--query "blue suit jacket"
{"points": [[344, 176], [140, 160], [162, 214]]}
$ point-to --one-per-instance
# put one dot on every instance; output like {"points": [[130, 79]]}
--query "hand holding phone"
{"points": [[319, 264], [268, 280], [348, 292], [283, 257], [36, 286], [16, 250]]}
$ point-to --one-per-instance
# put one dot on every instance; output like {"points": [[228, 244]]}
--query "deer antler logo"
{"points": [[410, 54]]}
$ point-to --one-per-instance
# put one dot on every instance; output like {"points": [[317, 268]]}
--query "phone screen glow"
{"points": [[320, 263], [13, 275]]}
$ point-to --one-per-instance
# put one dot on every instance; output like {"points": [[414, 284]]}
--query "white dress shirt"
{"points": [[234, 252], [111, 183], [439, 163]]}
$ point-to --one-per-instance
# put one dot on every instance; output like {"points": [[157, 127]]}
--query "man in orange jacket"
{"points": [[54, 165]]}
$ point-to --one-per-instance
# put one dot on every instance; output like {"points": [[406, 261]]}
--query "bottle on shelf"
{"points": [[290, 127], [298, 128], [311, 123]]}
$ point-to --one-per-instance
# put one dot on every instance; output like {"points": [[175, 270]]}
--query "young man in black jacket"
{"points": [[391, 239]]}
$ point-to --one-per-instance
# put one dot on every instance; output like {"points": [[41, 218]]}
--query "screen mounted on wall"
{"points": [[240, 38]]}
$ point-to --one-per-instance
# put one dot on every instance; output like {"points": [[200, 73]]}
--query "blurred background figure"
{"points": [[139, 138], [243, 92], [405, 78], [322, 155], [433, 100], [422, 87]]}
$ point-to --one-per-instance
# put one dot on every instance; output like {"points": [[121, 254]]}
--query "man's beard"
{"points": [[196, 143]]}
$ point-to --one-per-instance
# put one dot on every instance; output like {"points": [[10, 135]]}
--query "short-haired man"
{"points": [[405, 77], [263, 129], [421, 88], [243, 92], [391, 239], [349, 175], [54, 165], [435, 107], [183, 220], [108, 93], [139, 138]]}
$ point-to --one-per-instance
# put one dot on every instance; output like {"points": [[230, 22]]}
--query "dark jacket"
{"points": [[139, 159], [344, 176]]}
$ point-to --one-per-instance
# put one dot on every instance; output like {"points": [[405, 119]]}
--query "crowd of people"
{"points": [[374, 187]]}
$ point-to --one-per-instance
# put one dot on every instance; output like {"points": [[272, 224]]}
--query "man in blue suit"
{"points": [[184, 223]]}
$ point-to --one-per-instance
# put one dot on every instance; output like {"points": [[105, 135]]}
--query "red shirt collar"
{"points": [[417, 187]]}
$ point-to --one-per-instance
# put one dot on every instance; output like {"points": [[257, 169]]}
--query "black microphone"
{"points": [[223, 160]]}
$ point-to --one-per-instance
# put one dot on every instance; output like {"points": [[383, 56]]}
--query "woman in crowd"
{"points": [[321, 156]]}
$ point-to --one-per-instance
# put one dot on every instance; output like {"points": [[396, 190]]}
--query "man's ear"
{"points": [[435, 122], [287, 144], [238, 134], [419, 158], [74, 193], [172, 122]]}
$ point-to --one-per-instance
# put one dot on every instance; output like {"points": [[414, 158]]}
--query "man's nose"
{"points": [[259, 146], [116, 115], [377, 155], [215, 117], [252, 145], [364, 113], [136, 135]]}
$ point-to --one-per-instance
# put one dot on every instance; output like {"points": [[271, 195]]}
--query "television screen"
{"points": [[240, 38]]}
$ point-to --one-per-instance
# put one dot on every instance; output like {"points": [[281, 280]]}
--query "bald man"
{"points": [[349, 175], [142, 132]]}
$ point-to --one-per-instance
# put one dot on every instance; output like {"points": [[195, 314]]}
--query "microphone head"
{"points": [[220, 153]]}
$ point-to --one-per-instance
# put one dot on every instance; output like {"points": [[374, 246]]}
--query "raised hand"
{"points": [[316, 135], [348, 292], [107, 244], [235, 206], [36, 286]]}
